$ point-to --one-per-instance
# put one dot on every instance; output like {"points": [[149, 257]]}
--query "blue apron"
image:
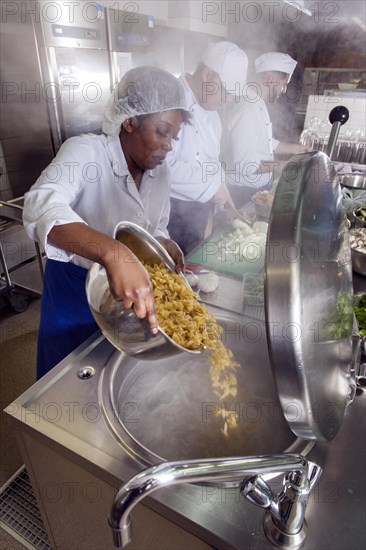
{"points": [[66, 320]]}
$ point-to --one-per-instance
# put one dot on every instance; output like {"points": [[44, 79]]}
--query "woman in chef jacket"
{"points": [[249, 151], [94, 182]]}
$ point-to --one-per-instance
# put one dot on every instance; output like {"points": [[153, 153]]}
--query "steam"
{"points": [[332, 36]]}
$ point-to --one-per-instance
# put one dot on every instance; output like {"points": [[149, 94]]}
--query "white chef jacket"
{"points": [[88, 181], [194, 163], [247, 141]]}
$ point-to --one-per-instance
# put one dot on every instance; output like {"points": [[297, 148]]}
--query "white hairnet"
{"points": [[142, 90]]}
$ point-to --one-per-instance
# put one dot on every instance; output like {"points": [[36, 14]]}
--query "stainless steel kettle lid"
{"points": [[308, 297]]}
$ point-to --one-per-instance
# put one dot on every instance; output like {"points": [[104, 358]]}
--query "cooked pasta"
{"points": [[191, 325]]}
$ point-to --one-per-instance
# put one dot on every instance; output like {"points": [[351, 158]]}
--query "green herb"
{"points": [[339, 324], [360, 313]]}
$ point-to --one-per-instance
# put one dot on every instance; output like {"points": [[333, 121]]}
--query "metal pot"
{"points": [[353, 181], [357, 220], [119, 325]]}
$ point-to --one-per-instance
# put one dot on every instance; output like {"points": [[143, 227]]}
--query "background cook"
{"points": [[250, 154]]}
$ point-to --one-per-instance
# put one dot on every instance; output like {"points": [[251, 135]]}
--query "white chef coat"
{"points": [[196, 171], [88, 181], [247, 141]]}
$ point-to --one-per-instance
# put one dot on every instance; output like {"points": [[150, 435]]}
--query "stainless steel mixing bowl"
{"points": [[358, 221], [353, 181], [358, 261], [119, 325]]}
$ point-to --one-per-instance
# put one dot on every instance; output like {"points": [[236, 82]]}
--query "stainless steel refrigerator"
{"points": [[59, 63], [74, 58]]}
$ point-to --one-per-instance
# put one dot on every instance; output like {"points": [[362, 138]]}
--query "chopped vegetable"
{"points": [[358, 239]]}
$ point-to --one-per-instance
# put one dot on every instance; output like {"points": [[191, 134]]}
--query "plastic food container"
{"points": [[253, 289], [263, 201]]}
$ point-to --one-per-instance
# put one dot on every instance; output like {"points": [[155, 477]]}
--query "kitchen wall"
{"points": [[189, 15], [182, 31], [333, 35], [319, 107], [158, 8]]}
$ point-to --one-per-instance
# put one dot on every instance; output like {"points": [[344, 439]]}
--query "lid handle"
{"points": [[339, 114], [337, 117]]}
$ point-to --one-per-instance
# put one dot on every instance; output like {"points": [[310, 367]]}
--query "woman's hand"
{"points": [[129, 282], [174, 251]]}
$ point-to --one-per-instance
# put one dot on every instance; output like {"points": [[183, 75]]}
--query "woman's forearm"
{"points": [[79, 238]]}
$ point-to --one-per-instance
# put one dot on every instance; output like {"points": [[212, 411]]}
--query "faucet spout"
{"points": [[123, 534], [195, 471]]}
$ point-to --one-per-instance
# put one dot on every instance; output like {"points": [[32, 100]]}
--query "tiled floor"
{"points": [[18, 338], [7, 542]]}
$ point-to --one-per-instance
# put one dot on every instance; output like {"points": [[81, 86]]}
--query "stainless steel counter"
{"points": [[62, 411]]}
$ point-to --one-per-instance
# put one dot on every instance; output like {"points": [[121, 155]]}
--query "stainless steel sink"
{"points": [[167, 410], [64, 439]]}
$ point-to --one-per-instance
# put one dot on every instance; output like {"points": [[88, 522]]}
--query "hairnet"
{"points": [[142, 90]]}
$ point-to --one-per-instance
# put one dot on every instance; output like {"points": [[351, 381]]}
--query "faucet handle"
{"points": [[257, 491], [305, 479], [314, 473], [284, 522]]}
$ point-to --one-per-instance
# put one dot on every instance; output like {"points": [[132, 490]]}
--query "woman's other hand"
{"points": [[174, 251], [222, 196]]}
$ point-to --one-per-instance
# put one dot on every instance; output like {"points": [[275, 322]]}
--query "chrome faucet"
{"points": [[284, 522]]}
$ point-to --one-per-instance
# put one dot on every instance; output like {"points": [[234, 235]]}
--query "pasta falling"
{"points": [[191, 325]]}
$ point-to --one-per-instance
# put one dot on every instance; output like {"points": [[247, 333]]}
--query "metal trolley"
{"points": [[21, 259]]}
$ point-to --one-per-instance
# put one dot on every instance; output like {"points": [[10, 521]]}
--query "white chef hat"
{"points": [[230, 62], [275, 61], [142, 90]]}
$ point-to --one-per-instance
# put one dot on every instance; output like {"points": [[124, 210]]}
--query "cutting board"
{"points": [[212, 255]]}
